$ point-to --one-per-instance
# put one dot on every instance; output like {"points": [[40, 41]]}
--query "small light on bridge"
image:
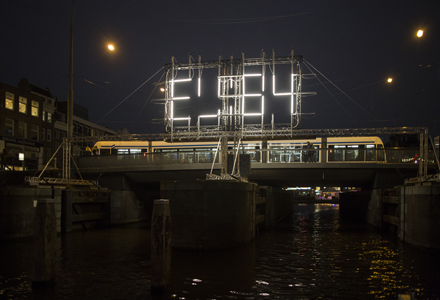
{"points": [[390, 79]]}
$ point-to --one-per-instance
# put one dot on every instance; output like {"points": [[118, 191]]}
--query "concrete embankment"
{"points": [[75, 208], [410, 211]]}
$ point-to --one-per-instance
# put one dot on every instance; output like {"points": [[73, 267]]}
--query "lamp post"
{"points": [[70, 94]]}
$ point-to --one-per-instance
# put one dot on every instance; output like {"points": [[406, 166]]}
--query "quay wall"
{"points": [[75, 208], [17, 209], [412, 212], [420, 215]]}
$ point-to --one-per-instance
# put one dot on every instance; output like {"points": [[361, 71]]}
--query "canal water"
{"points": [[310, 254]]}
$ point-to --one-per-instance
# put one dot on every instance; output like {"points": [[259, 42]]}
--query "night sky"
{"points": [[356, 45]]}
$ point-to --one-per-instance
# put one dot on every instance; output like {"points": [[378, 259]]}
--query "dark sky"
{"points": [[356, 45]]}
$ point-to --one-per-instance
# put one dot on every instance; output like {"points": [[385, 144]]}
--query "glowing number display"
{"points": [[242, 97]]}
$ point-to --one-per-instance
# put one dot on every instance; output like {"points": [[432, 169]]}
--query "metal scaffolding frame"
{"points": [[231, 91]]}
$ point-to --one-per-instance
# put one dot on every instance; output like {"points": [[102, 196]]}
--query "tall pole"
{"points": [[70, 95]]}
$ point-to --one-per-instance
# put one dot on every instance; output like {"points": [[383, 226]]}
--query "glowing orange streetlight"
{"points": [[419, 33], [111, 47], [389, 80]]}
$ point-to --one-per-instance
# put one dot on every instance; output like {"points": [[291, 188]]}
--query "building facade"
{"points": [[34, 125]]}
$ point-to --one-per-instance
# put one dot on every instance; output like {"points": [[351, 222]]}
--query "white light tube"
{"points": [[181, 80], [218, 88], [262, 83], [262, 105], [253, 95], [273, 84], [252, 114], [181, 119], [252, 75], [180, 98], [198, 87], [208, 116]]}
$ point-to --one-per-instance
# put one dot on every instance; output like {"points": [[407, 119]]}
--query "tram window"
{"points": [[352, 153], [275, 153], [123, 151], [339, 153], [370, 153]]}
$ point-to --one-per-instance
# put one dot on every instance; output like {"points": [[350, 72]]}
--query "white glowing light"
{"points": [[252, 114], [252, 75], [218, 88], [262, 105], [180, 98], [198, 86], [181, 80], [262, 83]]}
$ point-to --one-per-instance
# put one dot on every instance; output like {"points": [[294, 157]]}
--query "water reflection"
{"points": [[309, 255]]}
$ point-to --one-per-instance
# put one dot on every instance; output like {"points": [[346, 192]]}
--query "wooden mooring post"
{"points": [[45, 252], [160, 245]]}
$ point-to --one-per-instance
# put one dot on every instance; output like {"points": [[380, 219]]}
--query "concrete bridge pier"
{"points": [[211, 214]]}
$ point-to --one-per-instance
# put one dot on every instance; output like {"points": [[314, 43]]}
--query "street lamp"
{"points": [[420, 33], [111, 47], [70, 94]]}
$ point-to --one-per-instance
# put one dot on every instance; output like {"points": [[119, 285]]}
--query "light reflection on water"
{"points": [[310, 255]]}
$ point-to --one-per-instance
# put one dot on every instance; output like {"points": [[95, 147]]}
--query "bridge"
{"points": [[157, 167], [281, 168]]}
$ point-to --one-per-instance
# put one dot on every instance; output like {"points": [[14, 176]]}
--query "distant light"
{"points": [[20, 156], [390, 80], [420, 33], [111, 47], [162, 89]]}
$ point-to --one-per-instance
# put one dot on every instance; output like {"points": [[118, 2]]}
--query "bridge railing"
{"points": [[333, 155], [148, 159]]}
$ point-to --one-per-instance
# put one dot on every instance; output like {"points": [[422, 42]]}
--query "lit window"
{"points": [[22, 106], [49, 135], [9, 101], [9, 127], [34, 132], [49, 117], [35, 106], [22, 129]]}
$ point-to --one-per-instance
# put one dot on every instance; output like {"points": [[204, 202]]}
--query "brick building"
{"points": [[33, 125]]}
